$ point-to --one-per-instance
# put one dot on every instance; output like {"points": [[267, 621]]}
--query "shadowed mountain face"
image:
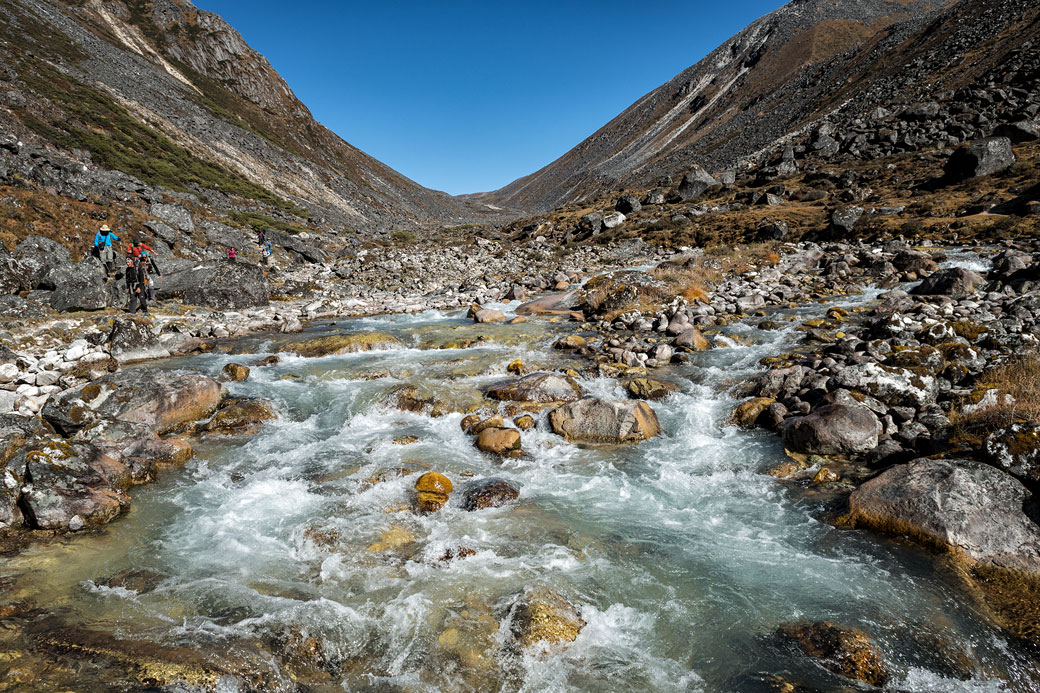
{"points": [[783, 72], [175, 97]]}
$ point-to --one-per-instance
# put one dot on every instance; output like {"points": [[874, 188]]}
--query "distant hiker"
{"points": [[152, 270], [261, 237], [136, 285], [265, 254], [231, 254], [103, 250]]}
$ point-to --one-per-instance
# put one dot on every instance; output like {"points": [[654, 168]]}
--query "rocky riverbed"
{"points": [[543, 495]]}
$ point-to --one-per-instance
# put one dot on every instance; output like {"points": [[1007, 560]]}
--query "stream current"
{"points": [[681, 553]]}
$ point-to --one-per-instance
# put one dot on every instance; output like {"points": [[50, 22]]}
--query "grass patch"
{"points": [[253, 220], [1019, 378]]}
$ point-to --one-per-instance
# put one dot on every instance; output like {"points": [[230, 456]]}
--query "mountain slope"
{"points": [[174, 96], [781, 73]]}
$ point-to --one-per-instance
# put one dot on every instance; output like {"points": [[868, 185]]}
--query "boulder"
{"points": [[692, 338], [137, 447], [488, 493], [79, 286], [175, 215], [835, 429], [538, 388], [235, 372], [131, 339], [571, 341], [955, 281], [242, 415], [596, 420], [499, 441], [217, 284], [41, 255], [296, 246], [644, 388], [1019, 132], [800, 261], [432, 491], [336, 344], [613, 220], [541, 615], [654, 197], [894, 386], [979, 158], [695, 183], [162, 400], [971, 508], [843, 221], [15, 275], [747, 413], [629, 204], [489, 315], [1016, 450], [846, 651]]}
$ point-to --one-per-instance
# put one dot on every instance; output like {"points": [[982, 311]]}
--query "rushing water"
{"points": [[681, 553]]}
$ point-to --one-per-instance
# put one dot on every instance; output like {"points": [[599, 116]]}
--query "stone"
{"points": [[538, 388], [432, 489], [162, 400], [644, 388], [971, 508], [693, 339], [489, 315], [629, 204], [571, 341], [41, 255], [846, 651], [241, 415], [499, 441], [747, 413], [542, 616], [1018, 132], [524, 423], [131, 339], [596, 420], [955, 281], [235, 372], [1016, 450], [78, 286], [15, 275], [220, 285], [835, 429], [843, 221], [613, 220], [333, 345], [695, 183], [979, 158], [175, 215], [654, 197], [488, 493], [894, 386]]}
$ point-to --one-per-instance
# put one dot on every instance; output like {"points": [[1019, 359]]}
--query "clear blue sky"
{"points": [[468, 96]]}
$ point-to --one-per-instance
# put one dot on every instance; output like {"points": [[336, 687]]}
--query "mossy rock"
{"points": [[332, 345]]}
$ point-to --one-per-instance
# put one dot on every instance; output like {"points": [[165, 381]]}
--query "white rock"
{"points": [[28, 390], [76, 523], [7, 400], [77, 350], [8, 373]]}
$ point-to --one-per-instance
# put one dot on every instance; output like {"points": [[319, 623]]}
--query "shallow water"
{"points": [[682, 555]]}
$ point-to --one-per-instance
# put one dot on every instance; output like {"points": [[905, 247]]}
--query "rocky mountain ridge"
{"points": [[809, 61]]}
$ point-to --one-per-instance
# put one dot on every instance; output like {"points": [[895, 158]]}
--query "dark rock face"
{"points": [[79, 286], [161, 400], [15, 275], [845, 651], [1022, 131], [628, 204], [220, 285], [41, 255], [537, 387], [835, 429], [955, 281], [488, 493], [970, 507], [980, 158]]}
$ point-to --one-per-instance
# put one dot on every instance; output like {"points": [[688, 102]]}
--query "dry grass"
{"points": [[1019, 378]]}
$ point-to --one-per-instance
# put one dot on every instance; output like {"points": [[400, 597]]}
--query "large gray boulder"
{"points": [[162, 400], [131, 339], [979, 158], [175, 215], [41, 255], [844, 220], [15, 275], [537, 387], [1021, 131], [79, 286], [595, 420], [972, 508], [296, 247], [695, 183], [891, 385], [221, 285], [835, 429], [955, 281]]}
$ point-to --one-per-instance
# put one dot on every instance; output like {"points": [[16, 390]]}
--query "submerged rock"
{"points": [[846, 651], [644, 388], [162, 400], [967, 507], [835, 429], [488, 493], [539, 388], [595, 420], [332, 345], [235, 372], [242, 415], [541, 615]]}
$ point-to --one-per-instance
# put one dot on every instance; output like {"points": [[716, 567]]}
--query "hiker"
{"points": [[136, 285], [231, 254], [265, 254], [136, 247], [261, 237], [151, 268], [102, 249]]}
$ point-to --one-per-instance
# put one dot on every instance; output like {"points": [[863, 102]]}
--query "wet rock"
{"points": [[408, 398], [972, 509], [432, 491], [524, 423], [499, 441], [131, 339], [495, 421], [159, 399], [846, 651], [835, 429], [541, 615], [980, 158], [489, 315], [140, 581], [955, 281], [571, 341], [137, 447], [243, 415], [538, 388], [747, 413], [332, 345], [235, 372], [644, 388], [595, 420], [488, 493]]}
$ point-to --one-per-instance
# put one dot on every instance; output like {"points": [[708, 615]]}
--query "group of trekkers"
{"points": [[141, 265]]}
